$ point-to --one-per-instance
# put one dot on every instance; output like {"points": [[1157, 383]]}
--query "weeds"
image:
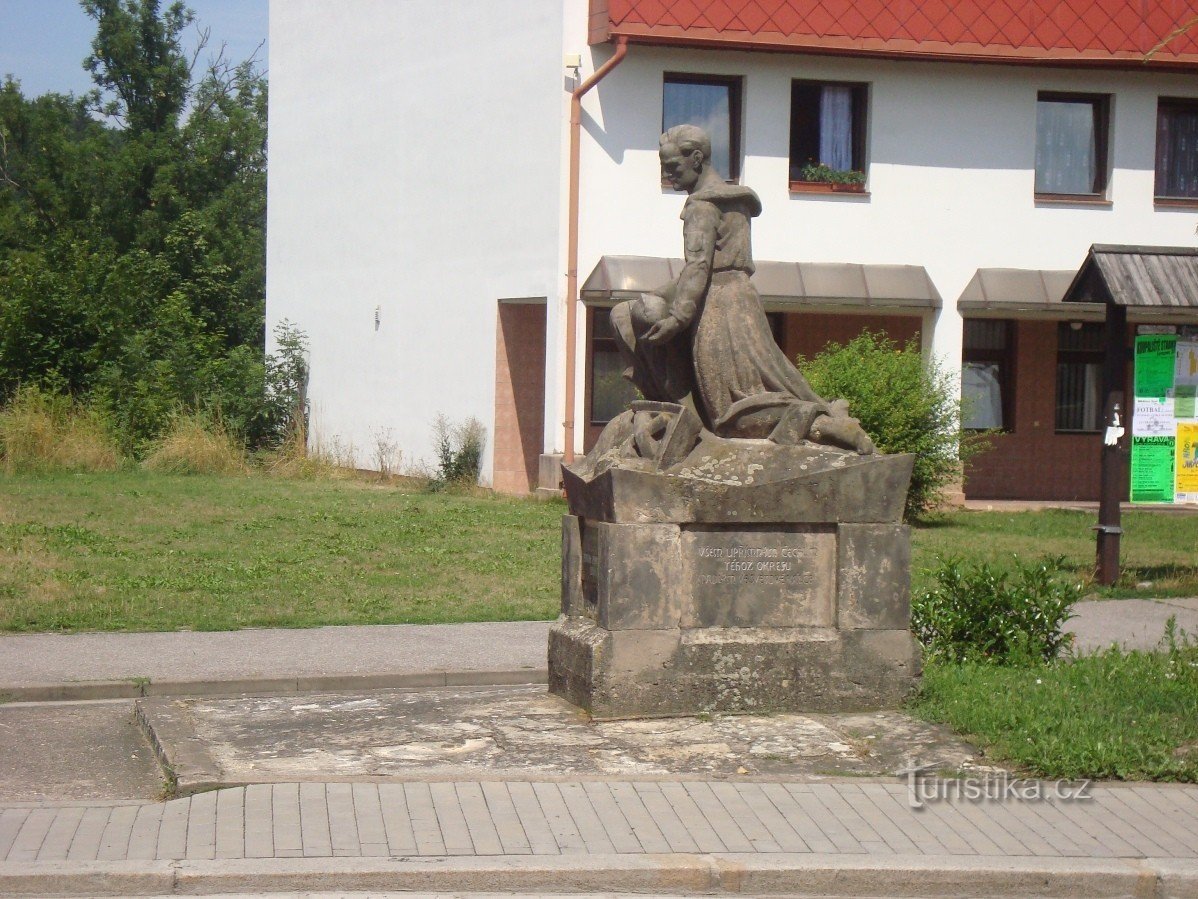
{"points": [[197, 445], [459, 449], [981, 612], [41, 432]]}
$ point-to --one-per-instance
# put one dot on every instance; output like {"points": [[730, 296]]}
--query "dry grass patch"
{"points": [[41, 432], [196, 445]]}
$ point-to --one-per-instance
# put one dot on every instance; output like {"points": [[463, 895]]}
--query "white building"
{"points": [[419, 219]]}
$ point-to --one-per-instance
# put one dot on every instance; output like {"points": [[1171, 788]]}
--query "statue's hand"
{"points": [[664, 329]]}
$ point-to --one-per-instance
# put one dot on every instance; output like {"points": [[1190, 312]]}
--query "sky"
{"points": [[43, 42]]}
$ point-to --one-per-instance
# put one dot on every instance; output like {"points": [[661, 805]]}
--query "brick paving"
{"points": [[601, 817]]}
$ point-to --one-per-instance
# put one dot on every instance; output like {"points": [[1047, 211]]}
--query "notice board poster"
{"points": [[1152, 475], [1187, 462], [1155, 365], [1185, 380], [1164, 444]]}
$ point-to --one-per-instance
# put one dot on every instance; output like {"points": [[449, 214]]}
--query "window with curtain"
{"points": [[827, 129], [987, 374], [1071, 144], [1177, 149], [1080, 347], [713, 103]]}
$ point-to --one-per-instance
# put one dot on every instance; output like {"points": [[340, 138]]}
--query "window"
{"points": [[1071, 145], [1080, 349], [611, 392], [712, 103], [1177, 149], [827, 132], [987, 374]]}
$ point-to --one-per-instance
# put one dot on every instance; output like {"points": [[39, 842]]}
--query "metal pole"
{"points": [[1114, 459]]}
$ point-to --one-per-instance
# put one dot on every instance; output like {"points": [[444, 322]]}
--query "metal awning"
{"points": [[1021, 293], [1159, 280], [784, 286], [1045, 294]]}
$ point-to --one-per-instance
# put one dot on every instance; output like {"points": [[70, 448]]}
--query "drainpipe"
{"points": [[572, 237]]}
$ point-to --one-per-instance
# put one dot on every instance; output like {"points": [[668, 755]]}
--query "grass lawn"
{"points": [[142, 551], [1132, 716]]}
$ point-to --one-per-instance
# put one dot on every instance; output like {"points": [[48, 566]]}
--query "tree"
{"points": [[132, 223]]}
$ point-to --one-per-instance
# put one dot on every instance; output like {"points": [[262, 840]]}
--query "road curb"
{"points": [[897, 877], [137, 688]]}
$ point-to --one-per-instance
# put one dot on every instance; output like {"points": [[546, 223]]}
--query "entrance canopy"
{"points": [[1164, 279], [784, 286]]}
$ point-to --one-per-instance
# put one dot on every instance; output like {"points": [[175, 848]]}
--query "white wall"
{"points": [[951, 150], [415, 167]]}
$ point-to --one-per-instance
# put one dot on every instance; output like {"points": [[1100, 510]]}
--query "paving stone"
{"points": [[62, 831], [286, 829], [33, 832], [507, 821], [314, 820]]}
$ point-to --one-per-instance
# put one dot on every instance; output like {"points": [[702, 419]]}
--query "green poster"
{"points": [[1184, 401], [1154, 364], [1152, 469]]}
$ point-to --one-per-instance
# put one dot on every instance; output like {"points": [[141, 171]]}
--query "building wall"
{"points": [[951, 151], [414, 181], [1032, 461], [417, 176]]}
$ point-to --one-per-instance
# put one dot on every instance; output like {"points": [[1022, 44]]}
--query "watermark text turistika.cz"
{"points": [[924, 786]]}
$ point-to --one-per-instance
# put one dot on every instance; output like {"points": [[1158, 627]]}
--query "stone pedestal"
{"points": [[684, 594]]}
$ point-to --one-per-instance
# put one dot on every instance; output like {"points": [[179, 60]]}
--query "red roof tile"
{"points": [[1080, 32]]}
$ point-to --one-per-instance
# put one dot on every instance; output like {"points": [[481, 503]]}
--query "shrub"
{"points": [[42, 431], [459, 449], [978, 612], [197, 444], [903, 404]]}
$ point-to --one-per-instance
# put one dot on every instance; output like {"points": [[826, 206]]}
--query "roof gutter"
{"points": [[572, 238]]}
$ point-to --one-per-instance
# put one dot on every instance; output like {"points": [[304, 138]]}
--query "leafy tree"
{"points": [[132, 223]]}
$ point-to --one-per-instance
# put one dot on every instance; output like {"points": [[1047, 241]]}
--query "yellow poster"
{"points": [[1187, 462]]}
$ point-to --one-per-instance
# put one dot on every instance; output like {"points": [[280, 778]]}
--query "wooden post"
{"points": [[1114, 464]]}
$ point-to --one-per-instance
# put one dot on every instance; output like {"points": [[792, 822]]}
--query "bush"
{"points": [[903, 404], [196, 444], [459, 449], [980, 613], [45, 432]]}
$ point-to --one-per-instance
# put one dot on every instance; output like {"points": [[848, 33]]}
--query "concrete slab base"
{"points": [[514, 732]]}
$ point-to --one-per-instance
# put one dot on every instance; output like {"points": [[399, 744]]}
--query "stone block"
{"points": [[632, 576], [572, 601], [641, 653], [759, 577], [874, 576]]}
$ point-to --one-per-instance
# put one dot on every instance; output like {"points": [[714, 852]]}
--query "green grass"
{"points": [[143, 551], [1132, 716], [1156, 548], [138, 550]]}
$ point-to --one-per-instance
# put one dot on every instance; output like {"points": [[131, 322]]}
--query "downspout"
{"points": [[572, 237]]}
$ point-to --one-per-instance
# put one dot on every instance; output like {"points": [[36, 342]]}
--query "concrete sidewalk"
{"points": [[46, 667], [858, 838], [41, 667]]}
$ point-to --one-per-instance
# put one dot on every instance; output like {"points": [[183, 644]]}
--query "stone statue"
{"points": [[703, 342], [734, 542]]}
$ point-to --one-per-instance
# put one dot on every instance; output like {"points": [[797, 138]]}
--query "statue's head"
{"points": [[685, 151]]}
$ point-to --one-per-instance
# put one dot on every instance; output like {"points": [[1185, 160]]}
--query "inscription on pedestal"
{"points": [[760, 578]]}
